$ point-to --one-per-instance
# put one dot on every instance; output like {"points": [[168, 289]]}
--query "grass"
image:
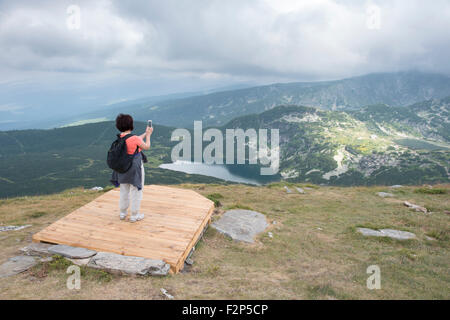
{"points": [[58, 267], [215, 198], [315, 252], [431, 190]]}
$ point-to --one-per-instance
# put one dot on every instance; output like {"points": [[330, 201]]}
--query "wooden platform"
{"points": [[174, 221]]}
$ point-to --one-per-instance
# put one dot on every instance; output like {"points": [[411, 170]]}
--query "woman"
{"points": [[132, 181]]}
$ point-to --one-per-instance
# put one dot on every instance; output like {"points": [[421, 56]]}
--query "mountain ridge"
{"points": [[396, 89]]}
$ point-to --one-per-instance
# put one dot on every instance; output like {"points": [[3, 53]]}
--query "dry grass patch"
{"points": [[315, 252]]}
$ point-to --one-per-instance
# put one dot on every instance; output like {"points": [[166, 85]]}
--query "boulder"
{"points": [[300, 190], [36, 249], [391, 233], [415, 207], [128, 265], [396, 186], [71, 252], [13, 228], [241, 225], [287, 189], [16, 265], [80, 262], [385, 194]]}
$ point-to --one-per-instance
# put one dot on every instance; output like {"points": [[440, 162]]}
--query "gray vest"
{"points": [[133, 176]]}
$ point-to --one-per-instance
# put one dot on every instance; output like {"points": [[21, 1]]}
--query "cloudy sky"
{"points": [[117, 50]]}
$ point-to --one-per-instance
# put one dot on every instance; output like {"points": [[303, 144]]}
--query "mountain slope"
{"points": [[47, 161], [334, 147], [429, 119], [396, 89], [375, 145]]}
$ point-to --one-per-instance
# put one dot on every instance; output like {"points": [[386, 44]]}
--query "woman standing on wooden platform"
{"points": [[132, 181]]}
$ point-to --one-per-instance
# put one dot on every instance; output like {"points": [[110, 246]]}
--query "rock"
{"points": [[80, 262], [129, 265], [241, 225], [166, 294], [370, 232], [287, 189], [16, 265], [270, 235], [396, 186], [189, 261], [415, 207], [13, 228], [191, 252], [71, 252], [430, 238], [36, 249], [274, 222], [46, 259], [300, 190], [391, 233], [97, 189], [385, 194], [399, 235]]}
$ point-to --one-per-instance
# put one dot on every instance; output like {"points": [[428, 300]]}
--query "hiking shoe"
{"points": [[123, 215], [137, 217]]}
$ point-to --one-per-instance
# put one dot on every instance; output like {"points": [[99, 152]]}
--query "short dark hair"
{"points": [[124, 122]]}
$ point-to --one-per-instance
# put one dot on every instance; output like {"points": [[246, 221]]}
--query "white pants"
{"points": [[129, 193]]}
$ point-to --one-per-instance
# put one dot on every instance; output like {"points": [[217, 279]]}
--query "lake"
{"points": [[235, 173]]}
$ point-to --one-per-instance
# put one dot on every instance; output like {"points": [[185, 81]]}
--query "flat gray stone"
{"points": [[129, 265], [16, 265], [391, 233], [36, 249], [80, 262], [396, 186], [71, 252], [287, 189], [370, 232], [241, 225], [415, 207], [13, 228], [300, 190], [385, 194], [46, 259]]}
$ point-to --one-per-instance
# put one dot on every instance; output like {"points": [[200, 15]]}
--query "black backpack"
{"points": [[118, 158]]}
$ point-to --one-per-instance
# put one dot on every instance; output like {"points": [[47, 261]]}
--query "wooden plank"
{"points": [[174, 220], [194, 240]]}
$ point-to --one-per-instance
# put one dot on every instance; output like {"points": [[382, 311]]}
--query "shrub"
{"points": [[431, 190], [215, 198]]}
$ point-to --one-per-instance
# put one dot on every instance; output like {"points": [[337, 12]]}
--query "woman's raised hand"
{"points": [[149, 131]]}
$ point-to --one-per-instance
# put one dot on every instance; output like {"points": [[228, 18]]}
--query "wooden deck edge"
{"points": [[196, 237]]}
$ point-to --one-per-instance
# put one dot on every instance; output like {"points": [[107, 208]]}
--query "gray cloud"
{"points": [[213, 39]]}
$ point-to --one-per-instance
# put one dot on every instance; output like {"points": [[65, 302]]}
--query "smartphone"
{"points": [[149, 123]]}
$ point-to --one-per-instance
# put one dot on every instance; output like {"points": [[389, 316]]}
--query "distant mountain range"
{"points": [[393, 89], [374, 145], [376, 129]]}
